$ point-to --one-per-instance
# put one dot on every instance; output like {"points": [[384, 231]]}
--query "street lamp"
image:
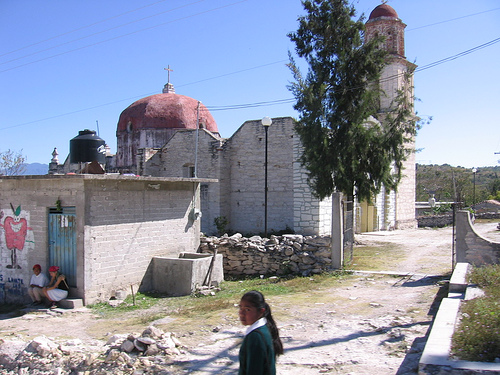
{"points": [[474, 170], [266, 123]]}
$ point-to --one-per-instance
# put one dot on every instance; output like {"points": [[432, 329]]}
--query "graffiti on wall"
{"points": [[16, 240]]}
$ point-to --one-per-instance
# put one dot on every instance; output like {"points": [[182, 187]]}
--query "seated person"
{"points": [[37, 282], [57, 289]]}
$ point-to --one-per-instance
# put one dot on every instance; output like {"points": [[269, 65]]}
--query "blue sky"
{"points": [[68, 65]]}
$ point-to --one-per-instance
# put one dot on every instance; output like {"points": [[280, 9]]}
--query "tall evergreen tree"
{"points": [[342, 150]]}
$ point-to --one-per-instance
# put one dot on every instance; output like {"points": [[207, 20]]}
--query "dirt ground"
{"points": [[371, 323]]}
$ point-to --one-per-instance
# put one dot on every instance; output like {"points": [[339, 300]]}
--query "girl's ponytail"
{"points": [[273, 329]]}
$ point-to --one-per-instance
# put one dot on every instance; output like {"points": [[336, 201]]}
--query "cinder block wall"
{"points": [[121, 224], [34, 196], [128, 224]]}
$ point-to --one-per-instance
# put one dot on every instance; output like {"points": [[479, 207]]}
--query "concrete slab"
{"points": [[71, 303], [458, 281]]}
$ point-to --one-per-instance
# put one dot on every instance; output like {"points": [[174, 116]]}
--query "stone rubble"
{"points": [[148, 353]]}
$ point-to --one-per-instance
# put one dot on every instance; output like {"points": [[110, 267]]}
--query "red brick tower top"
{"points": [[384, 21]]}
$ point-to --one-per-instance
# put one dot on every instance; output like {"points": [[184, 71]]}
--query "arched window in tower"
{"points": [[390, 42]]}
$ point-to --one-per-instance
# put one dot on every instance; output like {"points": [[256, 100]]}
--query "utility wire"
{"points": [[83, 28], [260, 104], [451, 20], [97, 33], [123, 35]]}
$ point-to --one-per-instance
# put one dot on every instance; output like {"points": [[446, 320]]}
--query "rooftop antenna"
{"points": [[97, 123]]}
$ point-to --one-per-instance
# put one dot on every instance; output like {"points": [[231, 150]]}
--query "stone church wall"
{"points": [[280, 255], [247, 159], [178, 158], [311, 216], [405, 196]]}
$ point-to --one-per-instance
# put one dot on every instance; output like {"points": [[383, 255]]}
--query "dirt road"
{"points": [[370, 323]]}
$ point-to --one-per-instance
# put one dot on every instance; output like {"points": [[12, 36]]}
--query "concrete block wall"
{"points": [[178, 157], [121, 224], [128, 224], [35, 196]]}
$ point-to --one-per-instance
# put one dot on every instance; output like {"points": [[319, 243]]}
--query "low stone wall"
{"points": [[487, 215], [435, 221], [279, 255]]}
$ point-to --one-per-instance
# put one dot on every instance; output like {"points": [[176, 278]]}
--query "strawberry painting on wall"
{"points": [[15, 230]]}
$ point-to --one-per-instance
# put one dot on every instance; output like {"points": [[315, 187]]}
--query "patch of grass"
{"points": [[477, 337], [370, 258], [206, 307]]}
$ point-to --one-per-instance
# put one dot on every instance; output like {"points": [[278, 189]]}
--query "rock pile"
{"points": [[148, 353], [279, 255]]}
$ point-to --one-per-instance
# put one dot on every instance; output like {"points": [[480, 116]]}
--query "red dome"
{"points": [[383, 10], [165, 111]]}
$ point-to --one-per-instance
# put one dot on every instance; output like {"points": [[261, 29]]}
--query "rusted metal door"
{"points": [[62, 242]]}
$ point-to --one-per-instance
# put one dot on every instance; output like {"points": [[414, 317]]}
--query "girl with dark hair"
{"points": [[262, 343]]}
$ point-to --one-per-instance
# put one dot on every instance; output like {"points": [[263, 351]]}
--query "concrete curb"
{"points": [[435, 358]]}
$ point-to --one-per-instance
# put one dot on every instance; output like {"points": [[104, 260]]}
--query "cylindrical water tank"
{"points": [[87, 147]]}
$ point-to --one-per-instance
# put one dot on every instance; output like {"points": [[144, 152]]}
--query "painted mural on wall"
{"points": [[17, 238]]}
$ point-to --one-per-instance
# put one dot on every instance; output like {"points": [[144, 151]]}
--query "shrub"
{"points": [[477, 337]]}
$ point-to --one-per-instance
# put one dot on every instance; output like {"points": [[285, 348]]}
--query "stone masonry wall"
{"points": [[246, 154], [279, 255]]}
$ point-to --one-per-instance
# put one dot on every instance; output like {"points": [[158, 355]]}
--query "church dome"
{"points": [[383, 10], [165, 111]]}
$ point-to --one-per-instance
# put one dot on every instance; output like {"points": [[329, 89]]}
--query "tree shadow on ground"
{"points": [[209, 364]]}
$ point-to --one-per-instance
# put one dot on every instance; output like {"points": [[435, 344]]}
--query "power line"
{"points": [[461, 54], [96, 33], [452, 19], [258, 104], [116, 37], [83, 28]]}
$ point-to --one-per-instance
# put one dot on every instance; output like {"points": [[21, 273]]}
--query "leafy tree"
{"points": [[12, 163], [341, 151], [494, 189]]}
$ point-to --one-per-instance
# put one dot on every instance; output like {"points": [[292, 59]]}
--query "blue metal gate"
{"points": [[62, 242]]}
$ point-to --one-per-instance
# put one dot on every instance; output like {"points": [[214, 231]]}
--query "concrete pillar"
{"points": [[337, 232]]}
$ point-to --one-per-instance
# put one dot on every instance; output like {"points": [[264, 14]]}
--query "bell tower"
{"points": [[396, 76]]}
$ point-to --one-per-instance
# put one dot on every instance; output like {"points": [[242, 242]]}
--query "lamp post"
{"points": [[266, 123], [474, 170]]}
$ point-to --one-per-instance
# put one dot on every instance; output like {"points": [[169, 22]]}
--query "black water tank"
{"points": [[87, 147]]}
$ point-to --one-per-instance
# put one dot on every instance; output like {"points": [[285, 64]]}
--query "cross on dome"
{"points": [[168, 88]]}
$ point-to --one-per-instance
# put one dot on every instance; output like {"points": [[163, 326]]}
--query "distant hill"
{"points": [[36, 169], [457, 184]]}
